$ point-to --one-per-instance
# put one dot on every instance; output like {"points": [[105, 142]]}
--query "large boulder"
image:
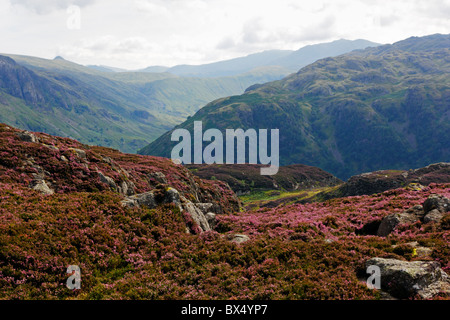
{"points": [[404, 279], [389, 223], [27, 136], [199, 212]]}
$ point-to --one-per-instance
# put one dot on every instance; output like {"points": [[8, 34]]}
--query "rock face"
{"points": [[432, 211], [403, 279]]}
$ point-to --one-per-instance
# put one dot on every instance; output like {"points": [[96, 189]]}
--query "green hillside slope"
{"points": [[384, 107]]}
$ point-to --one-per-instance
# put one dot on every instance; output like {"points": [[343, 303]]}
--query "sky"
{"points": [[135, 34]]}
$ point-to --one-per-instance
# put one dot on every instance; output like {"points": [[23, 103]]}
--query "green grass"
{"points": [[259, 198]]}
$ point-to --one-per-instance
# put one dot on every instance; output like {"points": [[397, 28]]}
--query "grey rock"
{"points": [[404, 279], [80, 153], [438, 202], [196, 215], [209, 207], [109, 181], [205, 220], [146, 199], [389, 223], [158, 176], [41, 186], [434, 216], [130, 202], [211, 218], [27, 136], [239, 238], [127, 188], [172, 195]]}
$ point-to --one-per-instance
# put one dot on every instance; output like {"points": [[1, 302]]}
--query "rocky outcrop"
{"points": [[381, 181], [404, 279], [27, 136], [197, 215], [109, 181], [41, 186], [433, 211], [389, 223], [201, 213]]}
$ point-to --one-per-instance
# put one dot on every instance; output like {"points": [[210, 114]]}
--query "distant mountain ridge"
{"points": [[290, 60], [383, 107]]}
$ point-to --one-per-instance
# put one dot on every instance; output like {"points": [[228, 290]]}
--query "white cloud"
{"points": [[138, 33], [46, 6]]}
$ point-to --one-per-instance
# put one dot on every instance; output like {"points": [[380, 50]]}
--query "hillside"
{"points": [[141, 227], [245, 179], [59, 98], [368, 110], [124, 110], [127, 110]]}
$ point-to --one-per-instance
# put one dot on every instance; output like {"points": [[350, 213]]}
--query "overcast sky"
{"points": [[139, 33]]}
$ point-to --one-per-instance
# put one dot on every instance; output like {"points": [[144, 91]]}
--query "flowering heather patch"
{"points": [[302, 251], [57, 161], [332, 218], [134, 254]]}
